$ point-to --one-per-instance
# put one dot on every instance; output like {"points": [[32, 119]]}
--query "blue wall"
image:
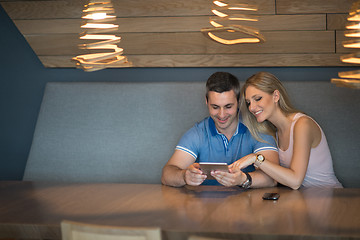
{"points": [[23, 79]]}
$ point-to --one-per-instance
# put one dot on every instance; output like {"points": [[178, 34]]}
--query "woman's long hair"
{"points": [[268, 83]]}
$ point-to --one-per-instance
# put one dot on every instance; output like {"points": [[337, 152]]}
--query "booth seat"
{"points": [[125, 132]]}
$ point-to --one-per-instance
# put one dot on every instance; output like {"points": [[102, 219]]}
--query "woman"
{"points": [[304, 154]]}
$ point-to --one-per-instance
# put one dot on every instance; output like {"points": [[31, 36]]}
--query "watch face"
{"points": [[260, 157]]}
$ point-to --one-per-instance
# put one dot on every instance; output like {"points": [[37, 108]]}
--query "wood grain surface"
{"points": [[34, 210]]}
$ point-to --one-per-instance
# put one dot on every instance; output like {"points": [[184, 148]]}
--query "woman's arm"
{"points": [[259, 179], [306, 135]]}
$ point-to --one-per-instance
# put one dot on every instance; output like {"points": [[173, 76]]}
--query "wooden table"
{"points": [[34, 210]]}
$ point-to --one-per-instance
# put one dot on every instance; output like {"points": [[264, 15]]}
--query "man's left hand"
{"points": [[229, 179]]}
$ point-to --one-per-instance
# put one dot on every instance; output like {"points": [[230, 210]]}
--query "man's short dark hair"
{"points": [[222, 82]]}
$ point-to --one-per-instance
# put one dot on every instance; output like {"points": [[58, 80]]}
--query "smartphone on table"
{"points": [[271, 196]]}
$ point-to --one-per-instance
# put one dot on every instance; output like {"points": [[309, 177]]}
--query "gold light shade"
{"points": [[353, 25], [350, 74], [355, 17], [352, 33], [97, 15], [226, 23], [354, 10], [351, 79], [235, 6], [254, 36], [351, 44], [351, 58], [349, 83]]}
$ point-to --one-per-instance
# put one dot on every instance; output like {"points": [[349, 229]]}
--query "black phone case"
{"points": [[271, 196]]}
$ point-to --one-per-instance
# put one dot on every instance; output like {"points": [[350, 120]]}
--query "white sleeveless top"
{"points": [[320, 172]]}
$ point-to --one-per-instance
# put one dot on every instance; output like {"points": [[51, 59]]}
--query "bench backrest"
{"points": [[125, 132]]}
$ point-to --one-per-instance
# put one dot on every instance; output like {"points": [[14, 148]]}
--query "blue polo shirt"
{"points": [[206, 144]]}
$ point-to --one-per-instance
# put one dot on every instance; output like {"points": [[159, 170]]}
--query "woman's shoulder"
{"points": [[306, 127], [305, 121]]}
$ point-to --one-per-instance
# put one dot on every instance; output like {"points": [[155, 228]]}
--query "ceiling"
{"points": [[166, 33]]}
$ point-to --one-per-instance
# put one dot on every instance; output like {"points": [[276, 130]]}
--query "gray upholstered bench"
{"points": [[125, 132]]}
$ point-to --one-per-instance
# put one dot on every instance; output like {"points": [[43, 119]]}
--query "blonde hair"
{"points": [[266, 82]]}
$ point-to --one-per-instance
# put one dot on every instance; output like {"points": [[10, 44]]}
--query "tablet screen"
{"points": [[207, 167]]}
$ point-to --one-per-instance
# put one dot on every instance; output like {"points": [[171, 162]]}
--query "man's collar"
{"points": [[241, 128]]}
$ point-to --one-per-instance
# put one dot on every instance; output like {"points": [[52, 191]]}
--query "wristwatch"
{"points": [[247, 182], [259, 160]]}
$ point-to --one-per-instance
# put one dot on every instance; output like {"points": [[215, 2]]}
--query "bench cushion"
{"points": [[111, 132], [126, 132]]}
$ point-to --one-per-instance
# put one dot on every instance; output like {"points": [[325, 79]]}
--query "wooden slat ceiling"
{"points": [[166, 33]]}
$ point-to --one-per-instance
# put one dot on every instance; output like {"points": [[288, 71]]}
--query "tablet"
{"points": [[207, 167]]}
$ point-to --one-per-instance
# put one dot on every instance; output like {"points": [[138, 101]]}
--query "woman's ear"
{"points": [[276, 95]]}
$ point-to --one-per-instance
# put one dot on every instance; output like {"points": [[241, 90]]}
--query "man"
{"points": [[220, 138]]}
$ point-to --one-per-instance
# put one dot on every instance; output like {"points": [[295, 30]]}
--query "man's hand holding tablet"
{"points": [[208, 167]]}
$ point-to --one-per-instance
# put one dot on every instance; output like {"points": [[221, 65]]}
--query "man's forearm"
{"points": [[173, 176], [261, 179]]}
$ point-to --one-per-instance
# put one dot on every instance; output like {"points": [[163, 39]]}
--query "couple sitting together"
{"points": [[258, 133]]}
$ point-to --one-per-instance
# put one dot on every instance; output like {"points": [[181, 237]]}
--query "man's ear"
{"points": [[276, 95], [206, 101]]}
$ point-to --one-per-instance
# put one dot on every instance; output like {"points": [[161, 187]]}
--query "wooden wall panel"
{"points": [[194, 43], [166, 33], [37, 9], [218, 60], [312, 6], [336, 21], [173, 24]]}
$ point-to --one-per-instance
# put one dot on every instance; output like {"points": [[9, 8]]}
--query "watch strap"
{"points": [[247, 182]]}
